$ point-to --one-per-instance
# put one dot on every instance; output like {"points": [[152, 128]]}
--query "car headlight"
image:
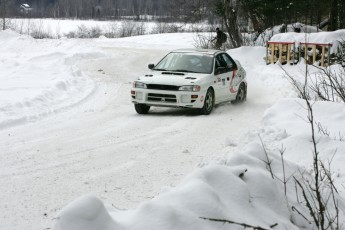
{"points": [[193, 88], [138, 84]]}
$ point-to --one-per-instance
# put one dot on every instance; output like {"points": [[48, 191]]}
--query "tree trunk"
{"points": [[4, 13], [230, 21], [342, 12], [334, 16]]}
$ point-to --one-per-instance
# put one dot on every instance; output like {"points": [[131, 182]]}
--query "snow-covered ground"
{"points": [[75, 155]]}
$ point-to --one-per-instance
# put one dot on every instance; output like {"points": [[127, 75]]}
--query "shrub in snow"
{"points": [[126, 28], [82, 32], [85, 32], [39, 34], [95, 32], [316, 189], [203, 40], [162, 27], [328, 85], [140, 28], [340, 55], [130, 28], [111, 30], [320, 84]]}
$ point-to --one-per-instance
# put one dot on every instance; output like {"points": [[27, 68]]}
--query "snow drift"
{"points": [[239, 192]]}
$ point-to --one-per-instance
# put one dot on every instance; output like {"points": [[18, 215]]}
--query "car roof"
{"points": [[199, 51]]}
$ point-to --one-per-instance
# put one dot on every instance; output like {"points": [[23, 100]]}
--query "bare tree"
{"points": [[333, 15], [231, 24], [3, 11]]}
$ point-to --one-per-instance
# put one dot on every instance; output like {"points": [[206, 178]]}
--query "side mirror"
{"points": [[151, 66]]}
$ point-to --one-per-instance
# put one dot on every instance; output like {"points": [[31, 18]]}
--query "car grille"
{"points": [[157, 97], [163, 87]]}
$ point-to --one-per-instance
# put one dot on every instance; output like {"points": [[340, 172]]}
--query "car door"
{"points": [[231, 83], [223, 74]]}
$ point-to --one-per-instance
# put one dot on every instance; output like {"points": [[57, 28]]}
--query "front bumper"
{"points": [[167, 98]]}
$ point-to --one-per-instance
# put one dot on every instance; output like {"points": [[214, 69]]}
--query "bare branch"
{"points": [[242, 224], [268, 162]]}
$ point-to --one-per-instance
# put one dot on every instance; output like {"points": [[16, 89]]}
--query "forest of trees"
{"points": [[263, 13], [111, 9]]}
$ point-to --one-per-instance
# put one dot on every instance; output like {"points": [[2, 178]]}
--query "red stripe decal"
{"points": [[232, 90]]}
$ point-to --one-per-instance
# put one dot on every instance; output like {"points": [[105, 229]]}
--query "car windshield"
{"points": [[186, 62]]}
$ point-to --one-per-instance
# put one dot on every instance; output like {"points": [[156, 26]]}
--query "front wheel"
{"points": [[208, 103], [241, 95], [141, 108]]}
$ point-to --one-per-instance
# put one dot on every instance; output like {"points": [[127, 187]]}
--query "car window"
{"points": [[168, 62], [221, 64], [186, 62], [229, 62]]}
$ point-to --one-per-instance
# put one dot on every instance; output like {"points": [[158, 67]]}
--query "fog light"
{"points": [[185, 99], [139, 96]]}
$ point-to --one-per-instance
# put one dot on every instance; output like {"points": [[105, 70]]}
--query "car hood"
{"points": [[172, 78]]}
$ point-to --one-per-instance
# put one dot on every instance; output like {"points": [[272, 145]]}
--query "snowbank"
{"points": [[241, 191], [41, 76], [285, 125]]}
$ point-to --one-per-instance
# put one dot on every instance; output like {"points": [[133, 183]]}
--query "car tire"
{"points": [[141, 108], [208, 103], [241, 95]]}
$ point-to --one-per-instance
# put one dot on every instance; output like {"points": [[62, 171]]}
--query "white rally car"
{"points": [[191, 78]]}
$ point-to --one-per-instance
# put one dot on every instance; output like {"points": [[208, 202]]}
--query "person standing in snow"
{"points": [[220, 38]]}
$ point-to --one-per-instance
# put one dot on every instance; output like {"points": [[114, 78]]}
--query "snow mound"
{"points": [[87, 213], [242, 191], [253, 54]]}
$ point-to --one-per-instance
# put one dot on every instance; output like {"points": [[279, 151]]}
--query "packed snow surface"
{"points": [[76, 156]]}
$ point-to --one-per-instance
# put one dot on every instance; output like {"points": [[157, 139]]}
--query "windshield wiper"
{"points": [[160, 69], [183, 70]]}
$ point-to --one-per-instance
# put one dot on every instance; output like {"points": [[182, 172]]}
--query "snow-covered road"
{"points": [[101, 146]]}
